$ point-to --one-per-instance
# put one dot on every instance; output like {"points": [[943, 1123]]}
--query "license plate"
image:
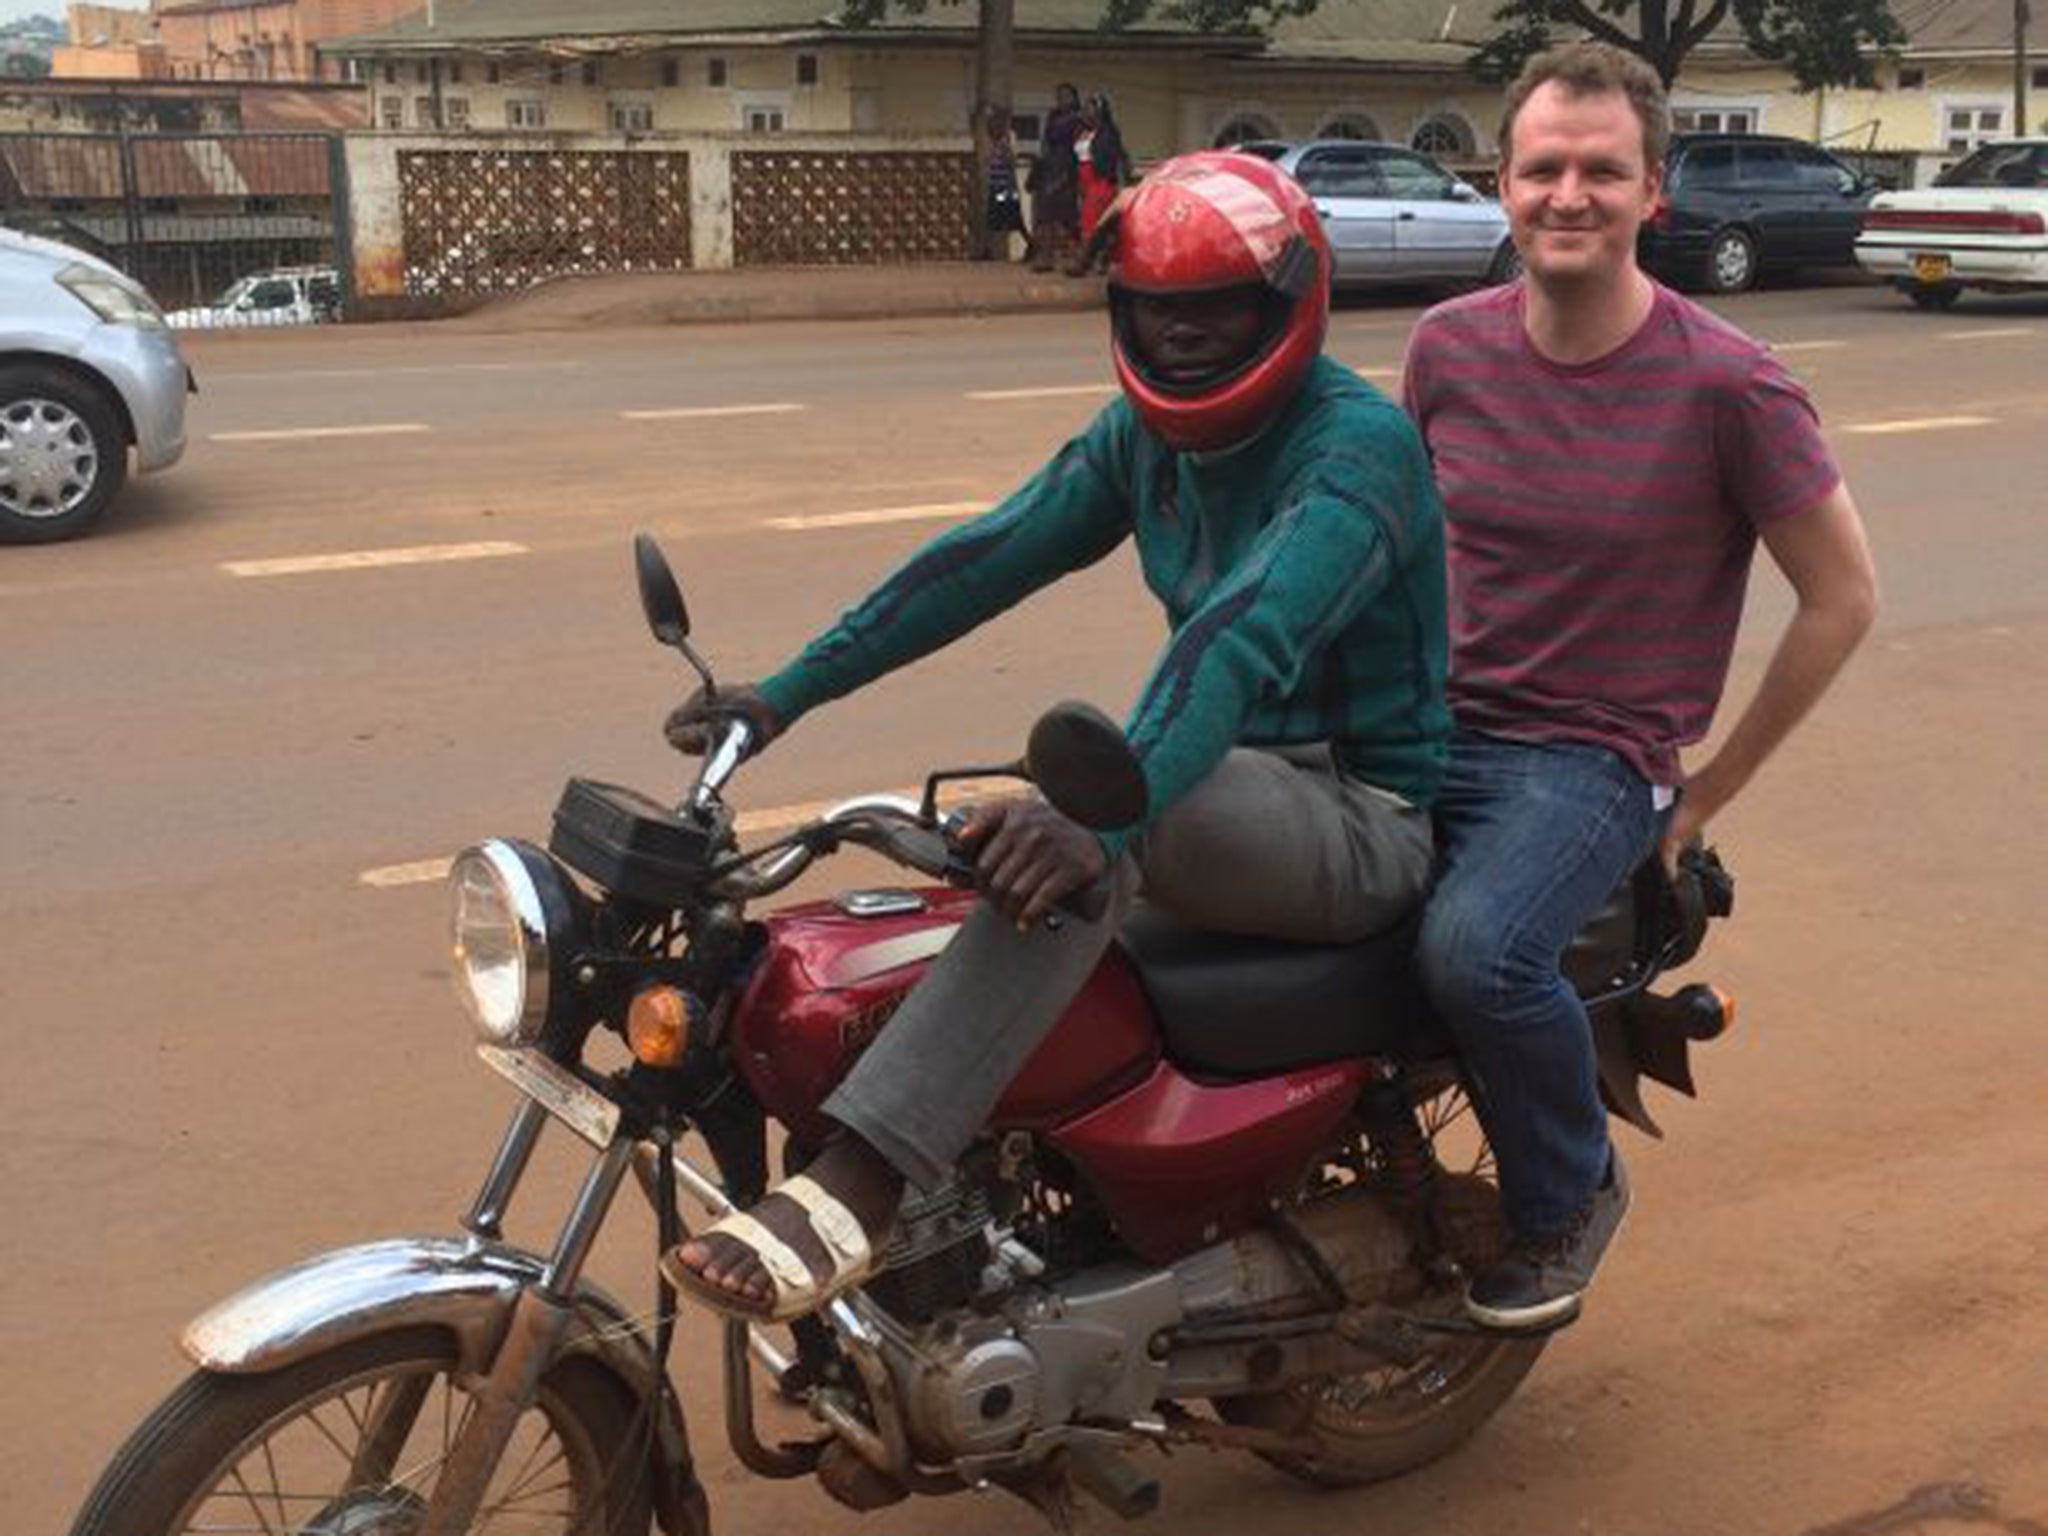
{"points": [[1931, 269], [558, 1091]]}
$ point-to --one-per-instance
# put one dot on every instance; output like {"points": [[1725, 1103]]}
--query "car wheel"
{"points": [[1935, 296], [1731, 262], [63, 454], [1507, 264]]}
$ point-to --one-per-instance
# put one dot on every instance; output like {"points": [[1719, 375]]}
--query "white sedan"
{"points": [[1983, 224]]}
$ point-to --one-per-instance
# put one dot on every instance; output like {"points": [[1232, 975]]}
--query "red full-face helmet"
{"points": [[1218, 220]]}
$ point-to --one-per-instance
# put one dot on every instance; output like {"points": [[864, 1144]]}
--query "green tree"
{"points": [[1820, 42]]}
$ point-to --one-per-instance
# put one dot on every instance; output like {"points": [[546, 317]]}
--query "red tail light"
{"points": [[1956, 221], [1660, 216]]}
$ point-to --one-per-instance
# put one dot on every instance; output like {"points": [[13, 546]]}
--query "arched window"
{"points": [[1349, 125], [1243, 127], [1446, 136]]}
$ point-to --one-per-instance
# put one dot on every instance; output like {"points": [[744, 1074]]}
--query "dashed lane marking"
{"points": [[1045, 392], [694, 412], [930, 513], [1807, 346], [271, 376], [1993, 333], [1920, 424], [286, 434], [746, 824], [367, 559]]}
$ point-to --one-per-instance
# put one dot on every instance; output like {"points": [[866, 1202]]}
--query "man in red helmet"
{"points": [[1292, 732]]}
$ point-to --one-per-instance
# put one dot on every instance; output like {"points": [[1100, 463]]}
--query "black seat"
{"points": [[1233, 1006], [1238, 1007]]}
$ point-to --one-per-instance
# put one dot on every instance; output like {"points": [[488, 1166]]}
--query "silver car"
{"points": [[88, 371], [1396, 216]]}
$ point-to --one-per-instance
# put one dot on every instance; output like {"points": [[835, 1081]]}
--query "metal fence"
{"points": [[822, 207], [483, 221], [223, 229]]}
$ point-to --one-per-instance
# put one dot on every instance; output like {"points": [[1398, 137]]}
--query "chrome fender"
{"points": [[464, 1287]]}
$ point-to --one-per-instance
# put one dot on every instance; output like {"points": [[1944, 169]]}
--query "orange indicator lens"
{"points": [[658, 1027]]}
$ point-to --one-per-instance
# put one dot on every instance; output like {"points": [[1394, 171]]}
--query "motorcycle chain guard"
{"points": [[634, 846]]}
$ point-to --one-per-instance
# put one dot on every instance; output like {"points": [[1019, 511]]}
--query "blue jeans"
{"points": [[1532, 839]]}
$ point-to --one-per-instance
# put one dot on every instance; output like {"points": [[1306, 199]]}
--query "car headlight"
{"points": [[514, 919], [114, 301]]}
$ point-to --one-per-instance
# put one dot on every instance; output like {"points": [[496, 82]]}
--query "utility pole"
{"points": [[2020, 69], [994, 79]]}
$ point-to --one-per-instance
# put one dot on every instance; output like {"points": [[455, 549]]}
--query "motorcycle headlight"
{"points": [[514, 920]]}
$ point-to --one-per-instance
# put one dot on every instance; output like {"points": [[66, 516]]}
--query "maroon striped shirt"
{"points": [[1601, 517]]}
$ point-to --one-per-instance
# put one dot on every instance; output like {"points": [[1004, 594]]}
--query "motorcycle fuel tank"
{"points": [[829, 980]]}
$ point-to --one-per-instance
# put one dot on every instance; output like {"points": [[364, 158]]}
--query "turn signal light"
{"points": [[658, 1025]]}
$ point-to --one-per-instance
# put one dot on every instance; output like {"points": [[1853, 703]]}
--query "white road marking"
{"points": [[1806, 346], [373, 373], [691, 412], [1374, 373], [366, 559], [1920, 424], [378, 429], [1048, 392], [775, 819], [933, 512], [1991, 333]]}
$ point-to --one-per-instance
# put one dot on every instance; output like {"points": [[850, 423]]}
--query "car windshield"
{"points": [[2000, 165]]}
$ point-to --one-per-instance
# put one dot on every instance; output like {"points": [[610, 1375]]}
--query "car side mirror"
{"points": [[1461, 193]]}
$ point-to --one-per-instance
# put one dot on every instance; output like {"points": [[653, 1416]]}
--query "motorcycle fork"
{"points": [[539, 1322]]}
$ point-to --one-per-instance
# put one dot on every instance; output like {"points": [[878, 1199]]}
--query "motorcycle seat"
{"points": [[1236, 1006], [1233, 1006]]}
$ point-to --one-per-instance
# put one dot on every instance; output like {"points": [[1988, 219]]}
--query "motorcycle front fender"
{"points": [[464, 1287]]}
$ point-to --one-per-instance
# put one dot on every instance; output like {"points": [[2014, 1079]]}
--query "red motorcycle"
{"points": [[1231, 1201]]}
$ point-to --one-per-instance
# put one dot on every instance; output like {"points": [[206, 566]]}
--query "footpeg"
{"points": [[1112, 1480]]}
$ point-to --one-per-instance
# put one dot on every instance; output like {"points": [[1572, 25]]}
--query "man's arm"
{"points": [[1824, 554]]}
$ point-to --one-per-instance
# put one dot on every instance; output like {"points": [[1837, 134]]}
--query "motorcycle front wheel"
{"points": [[349, 1443]]}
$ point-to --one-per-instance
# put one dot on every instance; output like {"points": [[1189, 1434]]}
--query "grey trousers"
{"points": [[1276, 842]]}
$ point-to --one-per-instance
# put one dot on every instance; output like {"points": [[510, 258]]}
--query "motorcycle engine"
{"points": [[935, 1262]]}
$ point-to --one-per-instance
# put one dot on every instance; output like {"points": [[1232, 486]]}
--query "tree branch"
{"points": [[1689, 38], [1578, 15]]}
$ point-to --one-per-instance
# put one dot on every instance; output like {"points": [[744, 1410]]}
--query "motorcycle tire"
{"points": [[192, 1451], [1371, 1426], [1355, 1447]]}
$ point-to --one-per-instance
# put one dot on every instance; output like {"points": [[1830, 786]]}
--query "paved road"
{"points": [[228, 1048]]}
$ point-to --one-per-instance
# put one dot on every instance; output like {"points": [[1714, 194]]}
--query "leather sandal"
{"points": [[794, 1291]]}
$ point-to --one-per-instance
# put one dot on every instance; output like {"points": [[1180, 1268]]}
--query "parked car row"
{"points": [[1733, 207]]}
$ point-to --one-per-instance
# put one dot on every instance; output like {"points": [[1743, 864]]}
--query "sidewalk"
{"points": [[784, 293]]}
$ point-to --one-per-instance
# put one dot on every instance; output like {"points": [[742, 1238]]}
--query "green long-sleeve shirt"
{"points": [[1302, 575]]}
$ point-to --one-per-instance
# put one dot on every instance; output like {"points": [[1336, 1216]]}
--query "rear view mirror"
{"points": [[1081, 762], [662, 601], [660, 598]]}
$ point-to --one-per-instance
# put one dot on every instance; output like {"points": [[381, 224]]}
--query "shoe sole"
{"points": [[1551, 1315], [1548, 1318]]}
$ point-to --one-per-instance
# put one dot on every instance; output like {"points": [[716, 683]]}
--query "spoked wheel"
{"points": [[1377, 1424], [350, 1442]]}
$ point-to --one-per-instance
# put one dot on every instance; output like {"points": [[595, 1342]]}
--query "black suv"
{"points": [[1735, 204]]}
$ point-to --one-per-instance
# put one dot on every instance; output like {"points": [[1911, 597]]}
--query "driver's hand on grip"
{"points": [[692, 725], [1030, 857]]}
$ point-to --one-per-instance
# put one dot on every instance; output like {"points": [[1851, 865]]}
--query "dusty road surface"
{"points": [[385, 607]]}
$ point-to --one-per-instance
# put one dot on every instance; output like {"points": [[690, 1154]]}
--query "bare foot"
{"points": [[849, 1170]]}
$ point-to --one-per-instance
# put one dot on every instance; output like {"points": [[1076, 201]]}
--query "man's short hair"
{"points": [[1592, 69]]}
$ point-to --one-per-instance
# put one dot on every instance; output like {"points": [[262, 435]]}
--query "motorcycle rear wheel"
{"points": [[283, 1454], [1374, 1425]]}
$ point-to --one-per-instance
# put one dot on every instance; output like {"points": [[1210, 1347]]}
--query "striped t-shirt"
{"points": [[1601, 517]]}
